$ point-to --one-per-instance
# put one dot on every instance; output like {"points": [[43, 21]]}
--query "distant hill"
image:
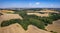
{"points": [[30, 8]]}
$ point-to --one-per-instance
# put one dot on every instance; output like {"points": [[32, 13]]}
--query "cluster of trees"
{"points": [[24, 23], [40, 22], [54, 16]]}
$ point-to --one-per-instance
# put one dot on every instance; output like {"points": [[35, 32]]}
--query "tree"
{"points": [[1, 14], [37, 23]]}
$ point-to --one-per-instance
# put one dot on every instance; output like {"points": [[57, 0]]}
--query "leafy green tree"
{"points": [[8, 22], [37, 23]]}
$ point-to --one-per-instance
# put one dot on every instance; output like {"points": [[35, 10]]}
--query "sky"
{"points": [[29, 3]]}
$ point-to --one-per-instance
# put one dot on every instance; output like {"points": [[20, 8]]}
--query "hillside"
{"points": [[21, 17], [5, 17], [34, 29], [16, 28], [54, 27]]}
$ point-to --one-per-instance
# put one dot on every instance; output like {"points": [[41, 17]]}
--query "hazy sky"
{"points": [[29, 3]]}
